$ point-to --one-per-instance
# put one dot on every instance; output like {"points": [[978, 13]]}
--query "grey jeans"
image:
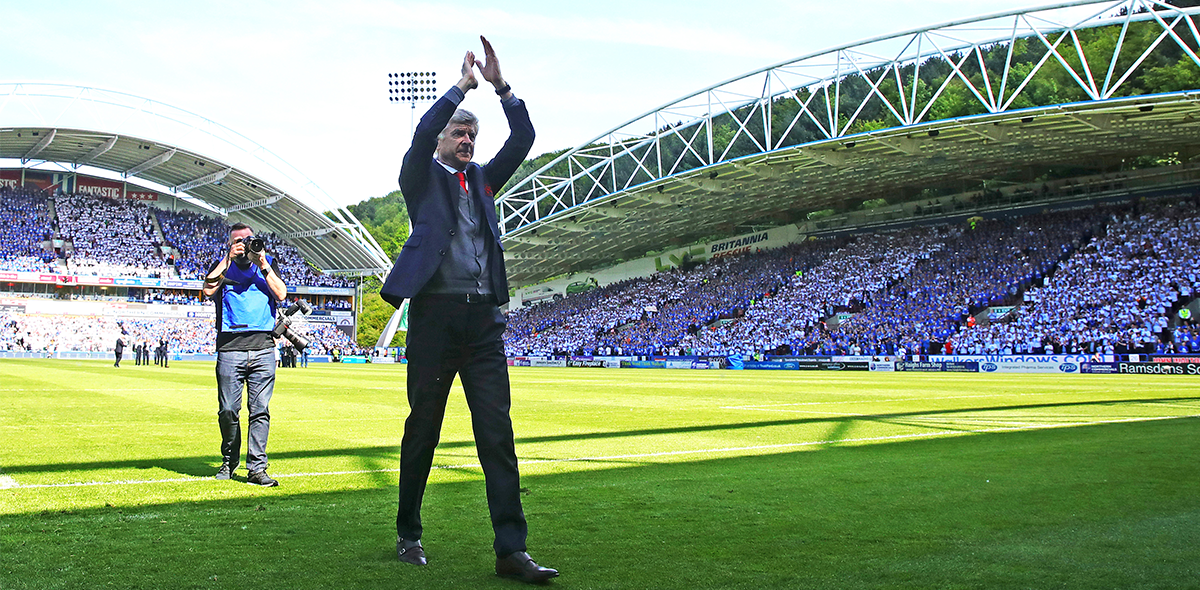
{"points": [[255, 370]]}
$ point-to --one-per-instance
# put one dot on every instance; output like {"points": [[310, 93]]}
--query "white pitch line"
{"points": [[769, 407], [205, 422], [608, 458], [179, 389]]}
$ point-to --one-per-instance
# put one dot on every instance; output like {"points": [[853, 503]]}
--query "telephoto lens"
{"points": [[257, 244]]}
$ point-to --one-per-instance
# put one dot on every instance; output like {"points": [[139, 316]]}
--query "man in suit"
{"points": [[452, 268]]}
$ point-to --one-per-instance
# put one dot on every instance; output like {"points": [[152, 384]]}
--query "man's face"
{"points": [[456, 146], [237, 234], [241, 234]]}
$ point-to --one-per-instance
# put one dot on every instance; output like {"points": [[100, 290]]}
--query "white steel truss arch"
{"points": [[816, 105]]}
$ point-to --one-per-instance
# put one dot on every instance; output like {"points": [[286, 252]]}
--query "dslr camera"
{"points": [[283, 325], [253, 243]]}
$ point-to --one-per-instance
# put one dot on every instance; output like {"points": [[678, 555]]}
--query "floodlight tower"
{"points": [[412, 87]]}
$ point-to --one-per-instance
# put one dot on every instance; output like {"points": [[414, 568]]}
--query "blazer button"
{"points": [[451, 232], [442, 252]]}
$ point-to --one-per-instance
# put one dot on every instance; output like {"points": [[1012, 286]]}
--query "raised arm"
{"points": [[414, 172], [520, 138], [491, 70]]}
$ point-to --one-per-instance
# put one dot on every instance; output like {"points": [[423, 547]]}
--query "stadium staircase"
{"points": [[164, 245], [61, 261]]}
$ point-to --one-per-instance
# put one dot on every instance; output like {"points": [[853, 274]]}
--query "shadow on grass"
{"points": [[1104, 506], [203, 465]]}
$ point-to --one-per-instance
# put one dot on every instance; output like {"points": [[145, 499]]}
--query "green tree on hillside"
{"points": [[386, 218]]}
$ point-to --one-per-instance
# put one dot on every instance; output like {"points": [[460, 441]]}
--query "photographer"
{"points": [[247, 288]]}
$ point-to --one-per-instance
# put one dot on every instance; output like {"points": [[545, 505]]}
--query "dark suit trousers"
{"points": [[447, 338]]}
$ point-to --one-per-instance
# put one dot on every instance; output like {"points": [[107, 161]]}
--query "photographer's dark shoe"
{"points": [[225, 472], [260, 478]]}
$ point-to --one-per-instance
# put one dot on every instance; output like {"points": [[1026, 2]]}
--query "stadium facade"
{"points": [[157, 188], [951, 105]]}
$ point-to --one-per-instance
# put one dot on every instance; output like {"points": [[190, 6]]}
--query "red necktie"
{"points": [[462, 180]]}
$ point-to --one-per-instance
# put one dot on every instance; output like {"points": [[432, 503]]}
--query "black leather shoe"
{"points": [[413, 555], [522, 567]]}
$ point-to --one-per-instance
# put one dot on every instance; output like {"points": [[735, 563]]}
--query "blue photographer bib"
{"points": [[245, 303]]}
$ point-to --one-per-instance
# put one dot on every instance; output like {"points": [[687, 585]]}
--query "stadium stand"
{"points": [[187, 336], [791, 320], [295, 270], [198, 239], [1114, 277], [44, 333], [121, 238], [972, 271], [1096, 279], [1185, 339], [38, 333], [1116, 295], [27, 223], [109, 237], [640, 316]]}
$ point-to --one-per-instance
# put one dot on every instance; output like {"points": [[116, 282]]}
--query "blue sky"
{"points": [[308, 80]]}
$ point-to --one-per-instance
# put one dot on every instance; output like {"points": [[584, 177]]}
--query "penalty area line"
{"points": [[609, 458]]}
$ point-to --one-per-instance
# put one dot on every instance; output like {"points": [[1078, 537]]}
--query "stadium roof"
{"points": [[668, 178], [116, 135]]}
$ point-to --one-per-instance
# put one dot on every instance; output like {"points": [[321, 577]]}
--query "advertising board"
{"points": [[832, 365], [1099, 368], [1158, 368], [1028, 367], [938, 366], [772, 365], [643, 364], [587, 363], [882, 366]]}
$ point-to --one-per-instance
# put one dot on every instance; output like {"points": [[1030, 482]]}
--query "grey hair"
{"points": [[462, 117]]}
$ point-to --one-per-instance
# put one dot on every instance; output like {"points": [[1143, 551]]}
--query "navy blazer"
{"points": [[430, 193]]}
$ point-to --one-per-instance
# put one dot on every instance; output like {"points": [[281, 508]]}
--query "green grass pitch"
{"points": [[633, 478]]}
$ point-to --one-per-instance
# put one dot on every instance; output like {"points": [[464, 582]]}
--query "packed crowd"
{"points": [[183, 336], [1116, 295], [792, 318], [109, 236], [44, 333], [27, 224], [168, 296], [119, 237], [201, 240], [974, 270], [1113, 276], [335, 304], [40, 333], [326, 339], [644, 315], [198, 239], [1185, 339], [295, 270]]}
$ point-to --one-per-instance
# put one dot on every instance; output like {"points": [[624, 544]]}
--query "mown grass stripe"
{"points": [[608, 458]]}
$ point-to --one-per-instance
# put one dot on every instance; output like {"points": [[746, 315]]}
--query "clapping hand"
{"points": [[468, 81], [490, 70]]}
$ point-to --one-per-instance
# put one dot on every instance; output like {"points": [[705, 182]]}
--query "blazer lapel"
{"points": [[477, 180]]}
